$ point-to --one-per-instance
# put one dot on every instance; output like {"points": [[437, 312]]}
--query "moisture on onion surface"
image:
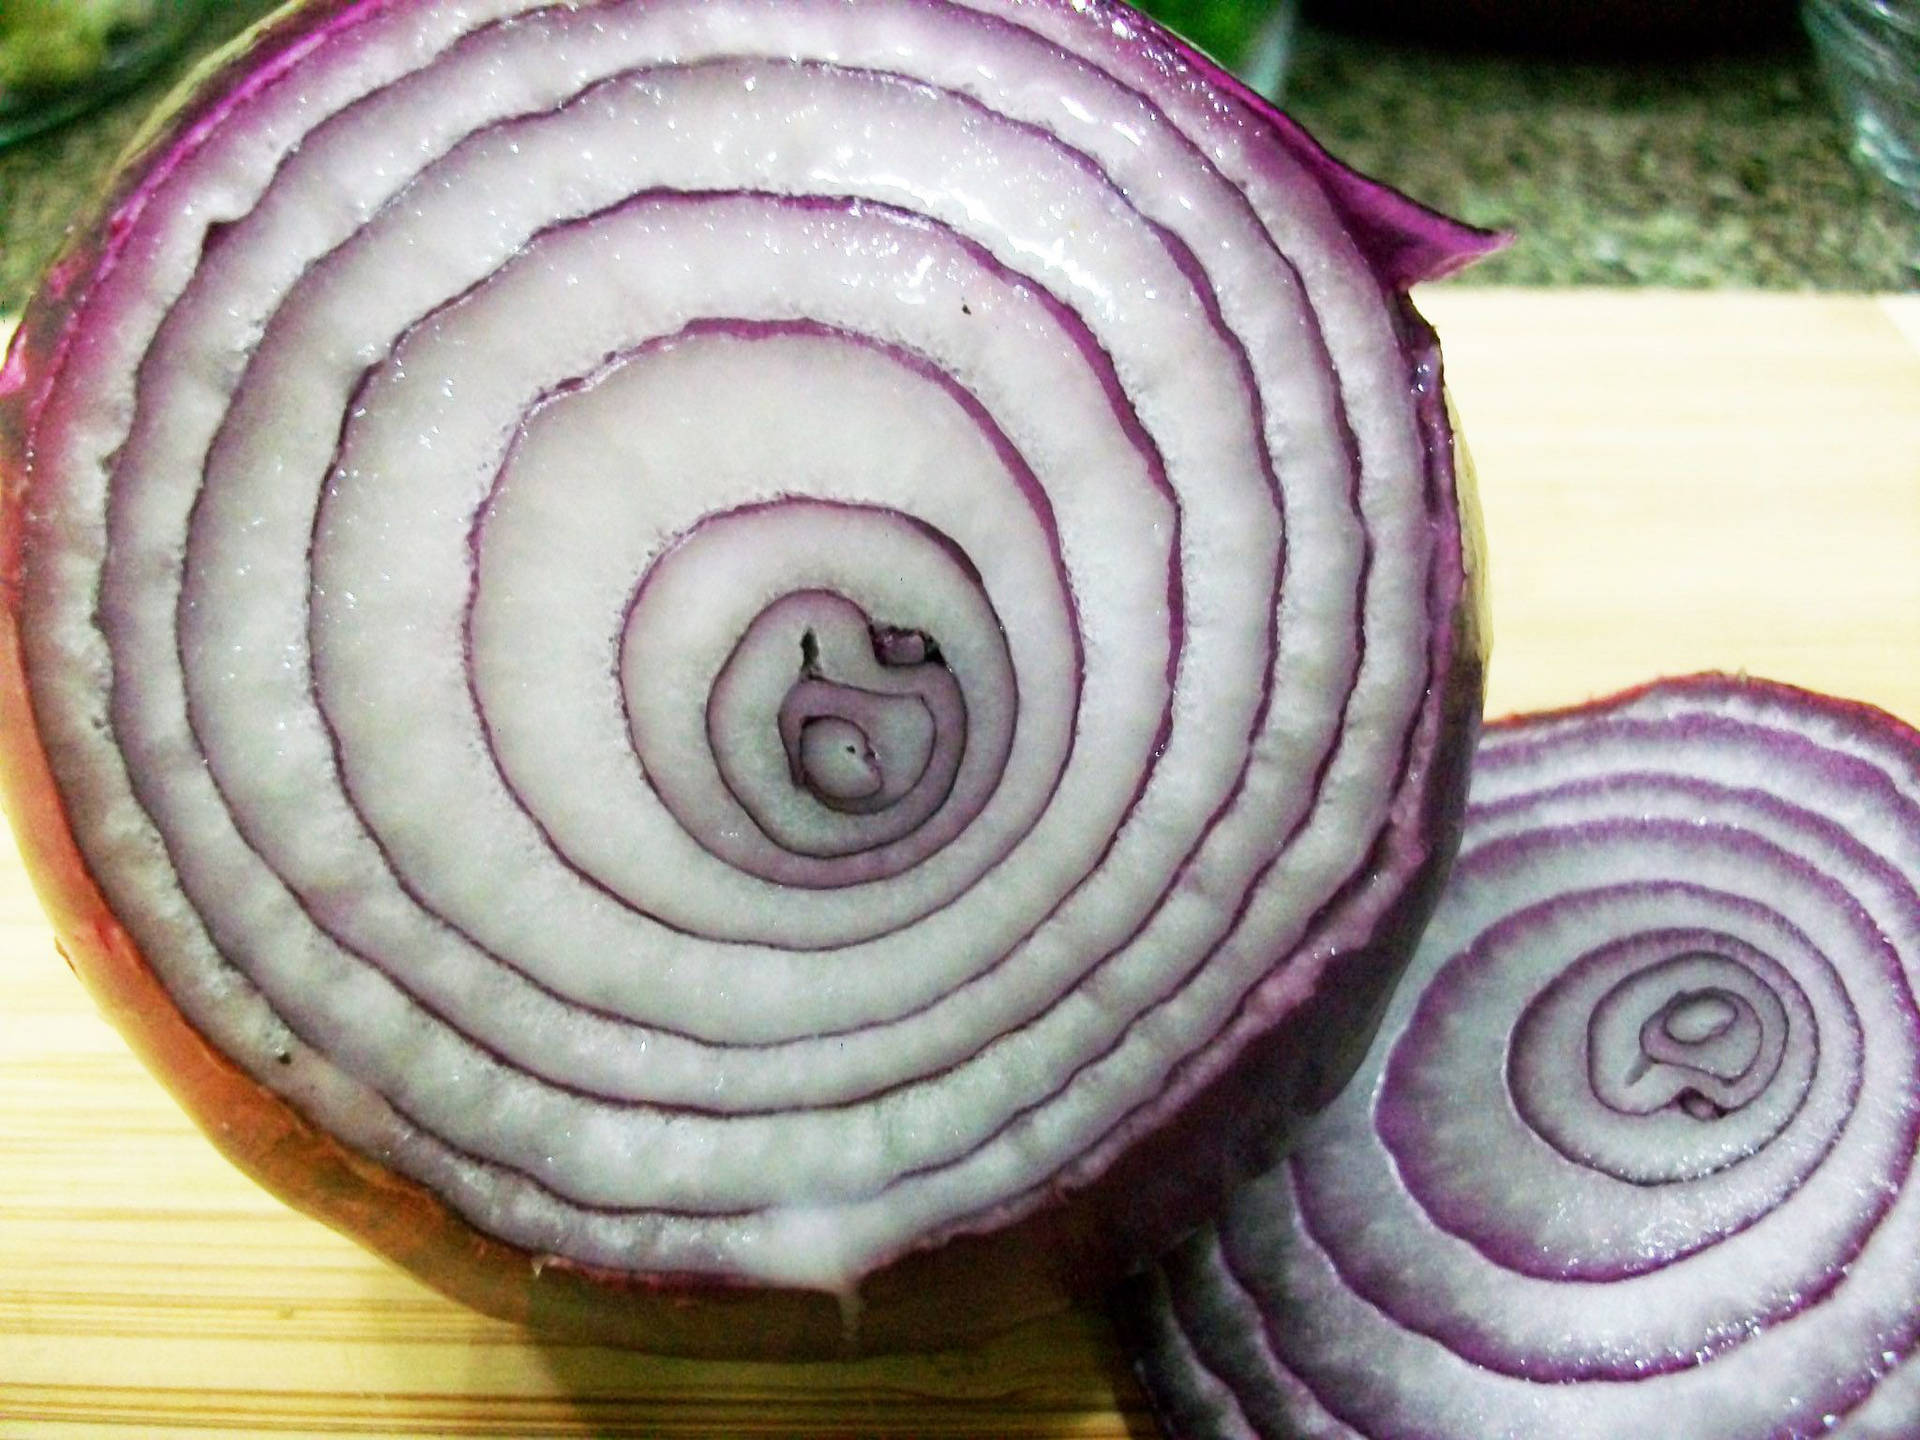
{"points": [[738, 648], [1633, 1152]]}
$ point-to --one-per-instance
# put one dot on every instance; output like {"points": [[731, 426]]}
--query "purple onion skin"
{"points": [[1763, 1289], [1027, 1255]]}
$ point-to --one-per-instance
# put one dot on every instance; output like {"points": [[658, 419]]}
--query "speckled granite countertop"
{"points": [[1720, 172]]}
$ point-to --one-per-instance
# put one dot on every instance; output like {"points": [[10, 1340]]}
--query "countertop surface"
{"points": [[1695, 172], [1671, 482]]}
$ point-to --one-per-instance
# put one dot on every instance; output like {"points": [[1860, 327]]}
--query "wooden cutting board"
{"points": [[1671, 483]]}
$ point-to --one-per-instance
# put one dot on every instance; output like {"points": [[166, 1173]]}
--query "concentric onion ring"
{"points": [[707, 645], [1633, 1153]]}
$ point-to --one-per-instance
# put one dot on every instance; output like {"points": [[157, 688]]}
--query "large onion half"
{"points": [[1633, 1152], [786, 652]]}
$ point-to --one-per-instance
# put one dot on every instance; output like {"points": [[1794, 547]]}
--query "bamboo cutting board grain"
{"points": [[1671, 482]]}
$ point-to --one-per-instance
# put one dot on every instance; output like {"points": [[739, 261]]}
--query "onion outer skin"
{"points": [[972, 1283], [1825, 1295]]}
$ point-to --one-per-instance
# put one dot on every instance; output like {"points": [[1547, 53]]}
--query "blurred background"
{"points": [[1687, 143]]}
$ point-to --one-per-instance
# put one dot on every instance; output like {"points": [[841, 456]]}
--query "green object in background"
{"points": [[54, 44], [1250, 37], [61, 57]]}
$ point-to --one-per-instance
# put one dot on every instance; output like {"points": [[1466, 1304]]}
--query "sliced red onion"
{"points": [[1633, 1152], [736, 645]]}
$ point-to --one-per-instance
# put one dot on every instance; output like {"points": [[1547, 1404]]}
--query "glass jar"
{"points": [[1870, 51]]}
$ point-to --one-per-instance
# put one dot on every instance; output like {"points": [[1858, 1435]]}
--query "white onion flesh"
{"points": [[741, 636], [1633, 1152]]}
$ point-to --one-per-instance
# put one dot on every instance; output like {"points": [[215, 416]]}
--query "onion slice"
{"points": [[808, 653], [1633, 1151]]}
